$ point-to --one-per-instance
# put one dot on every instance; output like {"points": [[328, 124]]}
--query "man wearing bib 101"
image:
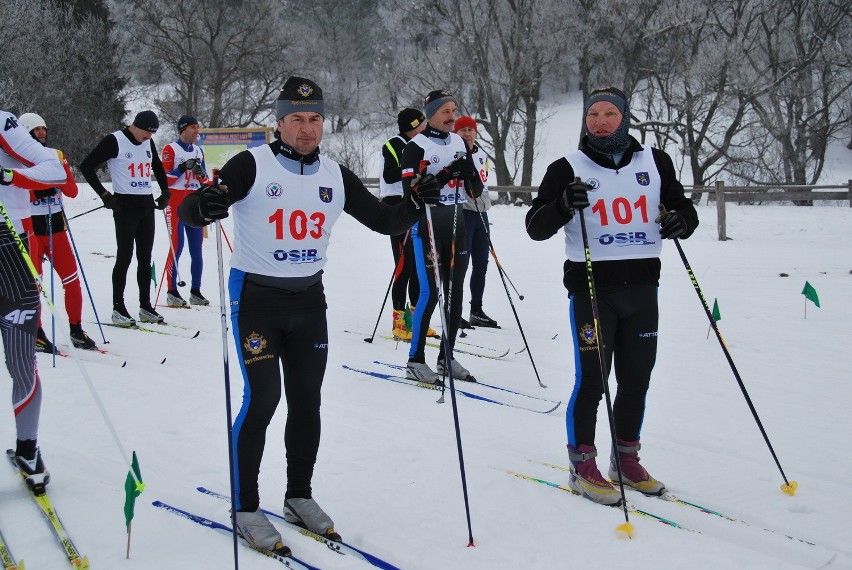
{"points": [[622, 186], [285, 197]]}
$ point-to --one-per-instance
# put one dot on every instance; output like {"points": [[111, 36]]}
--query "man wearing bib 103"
{"points": [[285, 197], [631, 201]]}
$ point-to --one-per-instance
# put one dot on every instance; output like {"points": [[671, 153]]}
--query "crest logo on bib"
{"points": [[274, 190], [642, 178], [325, 194]]}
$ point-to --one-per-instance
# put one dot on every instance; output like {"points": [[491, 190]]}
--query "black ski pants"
{"points": [[133, 225], [628, 325], [277, 330], [450, 244]]}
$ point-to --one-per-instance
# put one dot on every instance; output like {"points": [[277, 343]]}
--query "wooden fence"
{"points": [[722, 194]]}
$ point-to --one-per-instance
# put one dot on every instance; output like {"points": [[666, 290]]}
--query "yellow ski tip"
{"points": [[20, 565], [625, 529], [790, 488]]}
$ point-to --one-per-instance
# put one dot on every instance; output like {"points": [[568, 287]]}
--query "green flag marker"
{"points": [[717, 316], [133, 487], [407, 317], [810, 294]]}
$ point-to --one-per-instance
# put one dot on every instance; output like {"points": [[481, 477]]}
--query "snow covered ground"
{"points": [[388, 467]]}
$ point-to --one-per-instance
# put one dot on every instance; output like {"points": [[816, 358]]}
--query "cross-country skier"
{"points": [[132, 159], [24, 165], [476, 225], [286, 197], [49, 239], [410, 122], [626, 183], [183, 161], [442, 153]]}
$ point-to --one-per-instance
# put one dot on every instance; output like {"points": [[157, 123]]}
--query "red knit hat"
{"points": [[464, 121]]}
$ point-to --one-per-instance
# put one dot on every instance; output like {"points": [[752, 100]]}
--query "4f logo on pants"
{"points": [[19, 317]]}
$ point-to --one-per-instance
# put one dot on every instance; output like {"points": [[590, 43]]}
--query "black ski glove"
{"points": [[6, 176], [188, 164], [39, 194], [575, 197], [426, 191], [461, 168], [672, 224], [213, 203], [198, 170], [162, 201], [111, 202]]}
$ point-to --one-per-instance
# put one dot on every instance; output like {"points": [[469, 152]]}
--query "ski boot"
{"points": [[586, 480], [306, 513], [43, 343], [479, 319], [196, 298], [173, 299], [633, 474], [147, 314], [29, 462], [256, 529], [421, 372], [459, 371], [80, 339], [120, 316]]}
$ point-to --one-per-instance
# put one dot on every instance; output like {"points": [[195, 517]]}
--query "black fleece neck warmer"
{"points": [[615, 143]]}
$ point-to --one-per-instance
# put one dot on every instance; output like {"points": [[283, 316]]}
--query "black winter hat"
{"points": [[147, 121], [409, 119], [299, 95], [185, 121]]}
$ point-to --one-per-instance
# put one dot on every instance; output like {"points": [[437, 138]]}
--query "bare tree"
{"points": [[347, 33], [801, 78], [494, 56], [694, 97], [618, 41], [220, 60], [63, 66]]}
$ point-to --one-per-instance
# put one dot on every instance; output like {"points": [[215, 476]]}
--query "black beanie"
{"points": [[299, 95], [147, 121], [185, 121], [409, 119]]}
